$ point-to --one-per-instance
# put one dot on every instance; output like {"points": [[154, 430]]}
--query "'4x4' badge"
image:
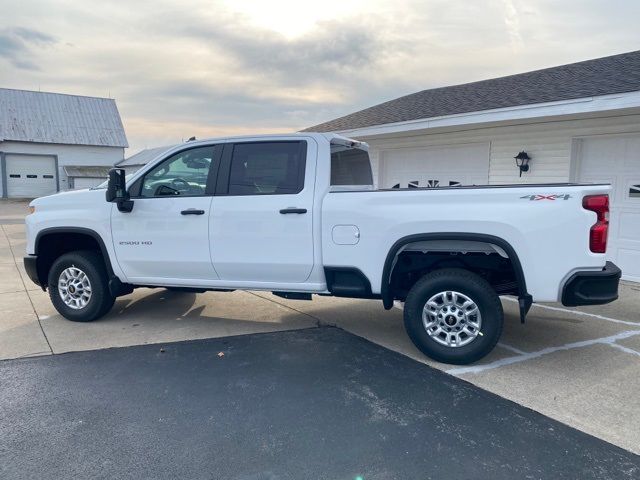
{"points": [[561, 196]]}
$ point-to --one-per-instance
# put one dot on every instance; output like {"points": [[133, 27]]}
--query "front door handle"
{"points": [[293, 210], [192, 211]]}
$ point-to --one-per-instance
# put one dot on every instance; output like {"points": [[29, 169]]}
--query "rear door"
{"points": [[261, 227]]}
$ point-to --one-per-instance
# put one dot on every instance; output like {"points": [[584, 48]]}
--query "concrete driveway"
{"points": [[580, 367]]}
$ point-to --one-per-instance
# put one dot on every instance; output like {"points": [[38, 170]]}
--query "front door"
{"points": [[165, 238], [262, 215]]}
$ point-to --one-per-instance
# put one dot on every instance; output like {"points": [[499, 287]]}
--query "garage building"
{"points": [[577, 123], [46, 137]]}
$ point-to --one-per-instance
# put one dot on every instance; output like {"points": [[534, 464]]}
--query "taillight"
{"points": [[600, 229]]}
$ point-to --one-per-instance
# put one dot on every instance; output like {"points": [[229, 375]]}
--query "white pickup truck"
{"points": [[298, 215]]}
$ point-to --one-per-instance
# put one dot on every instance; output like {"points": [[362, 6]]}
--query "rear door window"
{"points": [[267, 168]]}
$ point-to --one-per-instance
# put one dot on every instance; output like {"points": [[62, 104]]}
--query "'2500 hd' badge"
{"points": [[561, 196]]}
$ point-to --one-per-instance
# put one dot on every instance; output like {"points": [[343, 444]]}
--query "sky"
{"points": [[209, 68]]}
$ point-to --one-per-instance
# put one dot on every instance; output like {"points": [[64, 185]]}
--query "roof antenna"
{"points": [[192, 139]]}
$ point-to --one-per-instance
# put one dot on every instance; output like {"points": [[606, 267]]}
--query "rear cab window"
{"points": [[350, 168]]}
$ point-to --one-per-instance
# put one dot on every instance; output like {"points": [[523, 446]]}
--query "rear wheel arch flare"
{"points": [[389, 264]]}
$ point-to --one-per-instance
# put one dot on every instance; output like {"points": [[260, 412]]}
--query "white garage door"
{"points": [[30, 176], [441, 166], [616, 160], [82, 182]]}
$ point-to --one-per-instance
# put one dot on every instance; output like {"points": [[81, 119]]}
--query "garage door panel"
{"points": [[30, 176], [435, 166], [616, 160], [631, 153], [629, 261], [596, 156], [629, 226], [630, 193]]}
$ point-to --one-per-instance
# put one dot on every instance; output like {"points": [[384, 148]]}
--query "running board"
{"points": [[293, 295]]}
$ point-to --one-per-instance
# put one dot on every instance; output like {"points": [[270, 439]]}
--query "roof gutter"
{"points": [[565, 107]]}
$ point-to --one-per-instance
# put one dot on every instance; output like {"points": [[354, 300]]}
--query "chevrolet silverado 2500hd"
{"points": [[298, 215]]}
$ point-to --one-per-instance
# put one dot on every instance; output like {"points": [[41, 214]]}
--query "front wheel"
{"points": [[79, 287], [453, 316]]}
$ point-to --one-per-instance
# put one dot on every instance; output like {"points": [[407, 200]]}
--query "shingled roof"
{"points": [[602, 76]]}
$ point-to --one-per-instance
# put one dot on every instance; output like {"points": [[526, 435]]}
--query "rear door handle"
{"points": [[293, 210], [192, 211]]}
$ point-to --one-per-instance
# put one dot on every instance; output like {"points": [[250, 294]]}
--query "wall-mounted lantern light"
{"points": [[522, 161]]}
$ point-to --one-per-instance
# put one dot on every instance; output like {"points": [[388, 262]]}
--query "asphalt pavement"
{"points": [[315, 403]]}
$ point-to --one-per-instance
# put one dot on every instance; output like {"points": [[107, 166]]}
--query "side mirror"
{"points": [[116, 187], [117, 190]]}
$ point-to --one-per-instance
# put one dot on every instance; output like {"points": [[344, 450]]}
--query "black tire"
{"points": [[92, 264], [475, 288]]}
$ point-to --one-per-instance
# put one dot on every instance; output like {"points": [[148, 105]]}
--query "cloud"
{"points": [[331, 47], [16, 46], [332, 51], [178, 68], [32, 36], [512, 22]]}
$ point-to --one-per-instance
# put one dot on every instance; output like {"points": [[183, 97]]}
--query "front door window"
{"points": [[183, 174]]}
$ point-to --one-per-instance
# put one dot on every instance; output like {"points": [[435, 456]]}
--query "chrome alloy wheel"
{"points": [[452, 319], [74, 288]]}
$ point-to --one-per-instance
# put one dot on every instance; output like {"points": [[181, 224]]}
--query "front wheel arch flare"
{"points": [[45, 263]]}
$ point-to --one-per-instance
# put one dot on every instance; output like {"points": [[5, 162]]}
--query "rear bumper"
{"points": [[31, 267], [592, 288]]}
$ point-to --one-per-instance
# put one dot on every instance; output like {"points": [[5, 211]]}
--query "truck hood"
{"points": [[72, 197]]}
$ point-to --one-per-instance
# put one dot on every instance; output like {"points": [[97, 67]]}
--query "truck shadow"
{"points": [[161, 301]]}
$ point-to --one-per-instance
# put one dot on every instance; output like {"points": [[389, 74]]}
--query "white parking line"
{"points": [[398, 305], [523, 356], [578, 312], [512, 349], [625, 349], [545, 351]]}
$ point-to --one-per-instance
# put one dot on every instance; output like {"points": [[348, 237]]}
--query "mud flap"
{"points": [[525, 302]]}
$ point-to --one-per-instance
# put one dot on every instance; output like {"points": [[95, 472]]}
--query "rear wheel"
{"points": [[453, 316], [79, 286]]}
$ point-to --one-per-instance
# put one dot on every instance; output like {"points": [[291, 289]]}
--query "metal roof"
{"points": [[602, 76], [43, 117], [143, 156], [87, 171]]}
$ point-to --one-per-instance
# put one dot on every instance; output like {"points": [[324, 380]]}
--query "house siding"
{"points": [[550, 145], [79, 155]]}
